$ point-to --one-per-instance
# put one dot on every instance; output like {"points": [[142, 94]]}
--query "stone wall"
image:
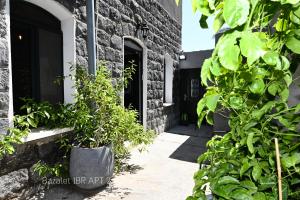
{"points": [[118, 18], [4, 73]]}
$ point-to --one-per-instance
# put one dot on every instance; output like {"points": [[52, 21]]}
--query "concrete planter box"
{"points": [[91, 168]]}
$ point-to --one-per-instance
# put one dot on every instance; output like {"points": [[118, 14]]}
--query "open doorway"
{"points": [[133, 93]]}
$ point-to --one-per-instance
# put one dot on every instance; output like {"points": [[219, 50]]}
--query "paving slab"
{"points": [[163, 172]]}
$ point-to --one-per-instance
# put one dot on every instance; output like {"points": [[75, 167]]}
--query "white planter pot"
{"points": [[91, 168]]}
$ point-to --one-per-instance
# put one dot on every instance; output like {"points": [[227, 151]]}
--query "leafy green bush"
{"points": [[249, 75], [99, 118]]}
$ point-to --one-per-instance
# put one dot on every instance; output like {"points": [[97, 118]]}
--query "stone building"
{"points": [[40, 39]]}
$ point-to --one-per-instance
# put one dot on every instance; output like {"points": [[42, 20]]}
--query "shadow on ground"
{"points": [[195, 145]]}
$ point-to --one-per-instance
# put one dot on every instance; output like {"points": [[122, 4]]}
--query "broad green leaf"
{"points": [[259, 196], [236, 102], [215, 68], [205, 71], [256, 172], [201, 105], [281, 25], [271, 58], [236, 12], [202, 6], [202, 22], [284, 94], [227, 180], [293, 44], [177, 2], [218, 22], [250, 142], [257, 86], [251, 47], [245, 167], [249, 185], [274, 88], [31, 122], [212, 101], [288, 79], [229, 53], [290, 161], [209, 118], [285, 63], [241, 194]]}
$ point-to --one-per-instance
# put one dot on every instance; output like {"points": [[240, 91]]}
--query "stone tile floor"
{"points": [[163, 172]]}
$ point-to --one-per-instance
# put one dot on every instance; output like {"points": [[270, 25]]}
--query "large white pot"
{"points": [[91, 168]]}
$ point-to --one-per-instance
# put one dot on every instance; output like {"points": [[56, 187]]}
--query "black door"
{"points": [[133, 93], [191, 93]]}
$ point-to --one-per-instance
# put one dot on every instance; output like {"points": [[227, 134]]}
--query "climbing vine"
{"points": [[248, 76]]}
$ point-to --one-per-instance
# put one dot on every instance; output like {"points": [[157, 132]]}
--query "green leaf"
{"points": [[245, 167], [177, 2], [236, 102], [229, 53], [250, 142], [31, 122], [251, 47], [201, 105], [271, 58], [202, 22], [259, 196], [257, 86], [289, 1], [274, 88], [290, 161], [212, 101], [241, 194], [284, 94], [205, 71], [256, 172], [293, 44], [281, 25], [218, 22], [228, 180], [202, 6], [285, 63], [236, 12], [288, 79], [215, 68], [249, 185]]}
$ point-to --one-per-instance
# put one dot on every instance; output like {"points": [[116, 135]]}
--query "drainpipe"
{"points": [[90, 5]]}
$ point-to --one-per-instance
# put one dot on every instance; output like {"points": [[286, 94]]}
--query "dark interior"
{"points": [[133, 92], [36, 50]]}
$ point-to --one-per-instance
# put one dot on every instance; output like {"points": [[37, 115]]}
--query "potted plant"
{"points": [[102, 126]]}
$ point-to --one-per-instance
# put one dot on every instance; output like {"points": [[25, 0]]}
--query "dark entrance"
{"points": [[133, 94], [192, 93], [36, 50]]}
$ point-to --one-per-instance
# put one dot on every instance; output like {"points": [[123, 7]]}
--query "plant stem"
{"points": [[278, 169]]}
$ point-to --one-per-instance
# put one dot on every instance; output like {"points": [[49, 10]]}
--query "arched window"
{"points": [[37, 54]]}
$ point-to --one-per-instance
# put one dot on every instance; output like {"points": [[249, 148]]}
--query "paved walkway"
{"points": [[163, 172]]}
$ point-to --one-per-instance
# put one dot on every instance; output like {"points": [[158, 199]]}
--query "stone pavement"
{"points": [[163, 172]]}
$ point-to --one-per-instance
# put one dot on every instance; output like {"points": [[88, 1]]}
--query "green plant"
{"points": [[37, 115], [249, 75], [99, 118]]}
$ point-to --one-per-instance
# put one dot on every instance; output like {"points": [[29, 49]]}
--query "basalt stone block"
{"points": [[3, 53], [114, 14], [4, 101], [116, 42], [103, 38], [12, 183], [3, 125], [4, 80], [109, 54]]}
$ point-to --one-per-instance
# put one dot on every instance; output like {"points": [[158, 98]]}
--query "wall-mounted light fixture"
{"points": [[144, 29], [182, 56]]}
